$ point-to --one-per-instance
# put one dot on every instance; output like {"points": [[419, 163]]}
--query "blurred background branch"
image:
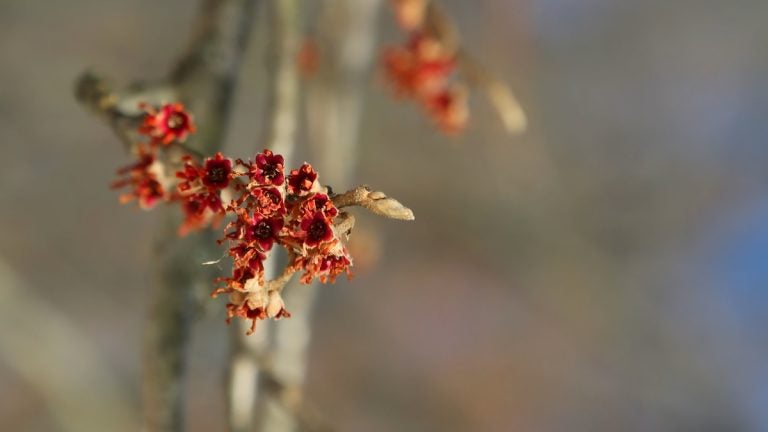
{"points": [[59, 361], [251, 364]]}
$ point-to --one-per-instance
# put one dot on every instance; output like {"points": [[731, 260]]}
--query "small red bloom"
{"points": [[268, 169], [319, 202], [170, 123], [332, 266], [149, 192], [325, 266], [301, 180], [246, 311], [246, 256], [420, 67], [200, 190], [247, 306], [216, 173], [146, 188], [200, 210], [307, 58], [247, 298], [190, 174], [268, 201], [195, 215], [263, 231], [315, 228], [449, 109], [240, 276]]}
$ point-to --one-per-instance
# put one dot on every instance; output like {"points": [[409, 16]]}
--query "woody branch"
{"points": [[204, 78]]}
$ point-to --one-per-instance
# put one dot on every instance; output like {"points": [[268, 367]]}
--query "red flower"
{"points": [[315, 228], [200, 210], [246, 256], [307, 58], [149, 192], [240, 276], [263, 231], [189, 175], [301, 180], [449, 109], [195, 212], [268, 201], [246, 311], [246, 306], [216, 173], [146, 188], [421, 67], [247, 299], [324, 266], [200, 190], [333, 265], [268, 169], [170, 123], [319, 202]]}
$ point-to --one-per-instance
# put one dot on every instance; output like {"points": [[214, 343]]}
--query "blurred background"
{"points": [[604, 271]]}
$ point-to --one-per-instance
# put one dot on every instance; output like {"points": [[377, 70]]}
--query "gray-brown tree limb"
{"points": [[250, 354], [204, 79]]}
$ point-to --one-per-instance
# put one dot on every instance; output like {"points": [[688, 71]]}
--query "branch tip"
{"points": [[376, 202]]}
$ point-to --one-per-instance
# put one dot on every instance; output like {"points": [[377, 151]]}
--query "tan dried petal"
{"points": [[252, 285], [275, 305]]}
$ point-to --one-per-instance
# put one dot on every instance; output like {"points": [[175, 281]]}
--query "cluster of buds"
{"points": [[423, 68], [266, 207]]}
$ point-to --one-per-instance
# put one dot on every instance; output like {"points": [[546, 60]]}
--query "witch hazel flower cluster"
{"points": [[423, 68], [266, 206], [272, 209]]}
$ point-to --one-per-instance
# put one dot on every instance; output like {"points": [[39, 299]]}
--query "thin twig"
{"points": [[120, 110], [278, 283], [376, 202], [498, 92]]}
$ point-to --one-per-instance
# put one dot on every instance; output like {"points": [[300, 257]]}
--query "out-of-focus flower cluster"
{"points": [[146, 178], [423, 68], [267, 206]]}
